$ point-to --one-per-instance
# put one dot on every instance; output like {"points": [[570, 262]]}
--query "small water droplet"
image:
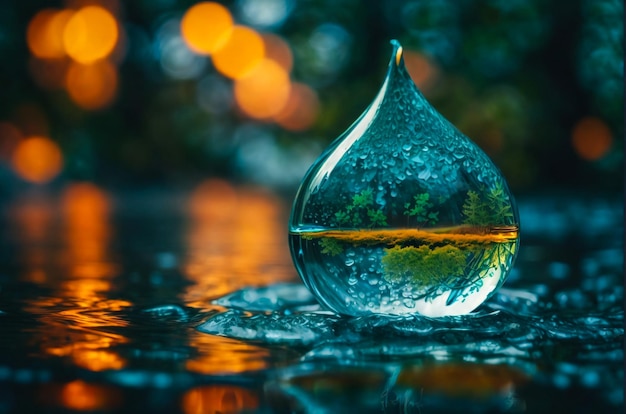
{"points": [[349, 262]]}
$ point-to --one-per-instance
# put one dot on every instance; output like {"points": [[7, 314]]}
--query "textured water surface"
{"points": [[190, 303]]}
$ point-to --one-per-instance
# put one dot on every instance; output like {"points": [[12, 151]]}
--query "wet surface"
{"points": [[189, 302]]}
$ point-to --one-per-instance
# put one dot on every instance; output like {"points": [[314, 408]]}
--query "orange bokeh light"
{"points": [[219, 399], [30, 119], [49, 73], [591, 138], [263, 92], [301, 109], [241, 54], [278, 50], [37, 159], [92, 86], [90, 34], [45, 33], [10, 135], [206, 27], [422, 70]]}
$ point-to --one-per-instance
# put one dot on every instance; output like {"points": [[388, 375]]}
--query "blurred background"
{"points": [[149, 150], [167, 93]]}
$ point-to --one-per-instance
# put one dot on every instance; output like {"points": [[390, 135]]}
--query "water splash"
{"points": [[514, 323]]}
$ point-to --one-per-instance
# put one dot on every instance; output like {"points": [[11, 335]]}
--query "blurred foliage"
{"points": [[516, 76]]}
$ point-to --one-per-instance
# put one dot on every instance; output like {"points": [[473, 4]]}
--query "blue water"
{"points": [[189, 303]]}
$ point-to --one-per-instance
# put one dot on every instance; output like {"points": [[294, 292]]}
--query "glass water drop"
{"points": [[406, 199]]}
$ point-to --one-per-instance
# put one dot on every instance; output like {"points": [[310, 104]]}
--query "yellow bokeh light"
{"points": [[37, 159], [206, 27], [92, 86], [301, 109], [241, 54], [591, 138], [278, 50], [45, 33], [90, 34], [264, 92]]}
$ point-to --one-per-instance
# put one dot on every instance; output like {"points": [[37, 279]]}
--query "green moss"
{"points": [[330, 246], [425, 265]]}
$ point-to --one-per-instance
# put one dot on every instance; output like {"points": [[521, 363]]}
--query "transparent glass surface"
{"points": [[403, 214]]}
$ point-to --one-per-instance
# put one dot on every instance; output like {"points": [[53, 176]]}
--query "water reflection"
{"points": [[221, 356], [86, 211], [32, 222], [222, 399], [235, 238], [78, 313], [79, 395], [107, 304]]}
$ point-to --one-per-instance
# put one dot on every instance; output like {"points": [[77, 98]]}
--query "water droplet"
{"points": [[386, 189]]}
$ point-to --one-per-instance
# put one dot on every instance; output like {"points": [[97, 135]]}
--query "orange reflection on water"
{"points": [[462, 379], [79, 319], [31, 222], [218, 355], [222, 399], [236, 238], [86, 209], [82, 396]]}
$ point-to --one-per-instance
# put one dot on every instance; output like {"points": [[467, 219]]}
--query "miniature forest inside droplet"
{"points": [[433, 271]]}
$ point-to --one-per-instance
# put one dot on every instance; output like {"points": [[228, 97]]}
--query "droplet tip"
{"points": [[397, 51]]}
